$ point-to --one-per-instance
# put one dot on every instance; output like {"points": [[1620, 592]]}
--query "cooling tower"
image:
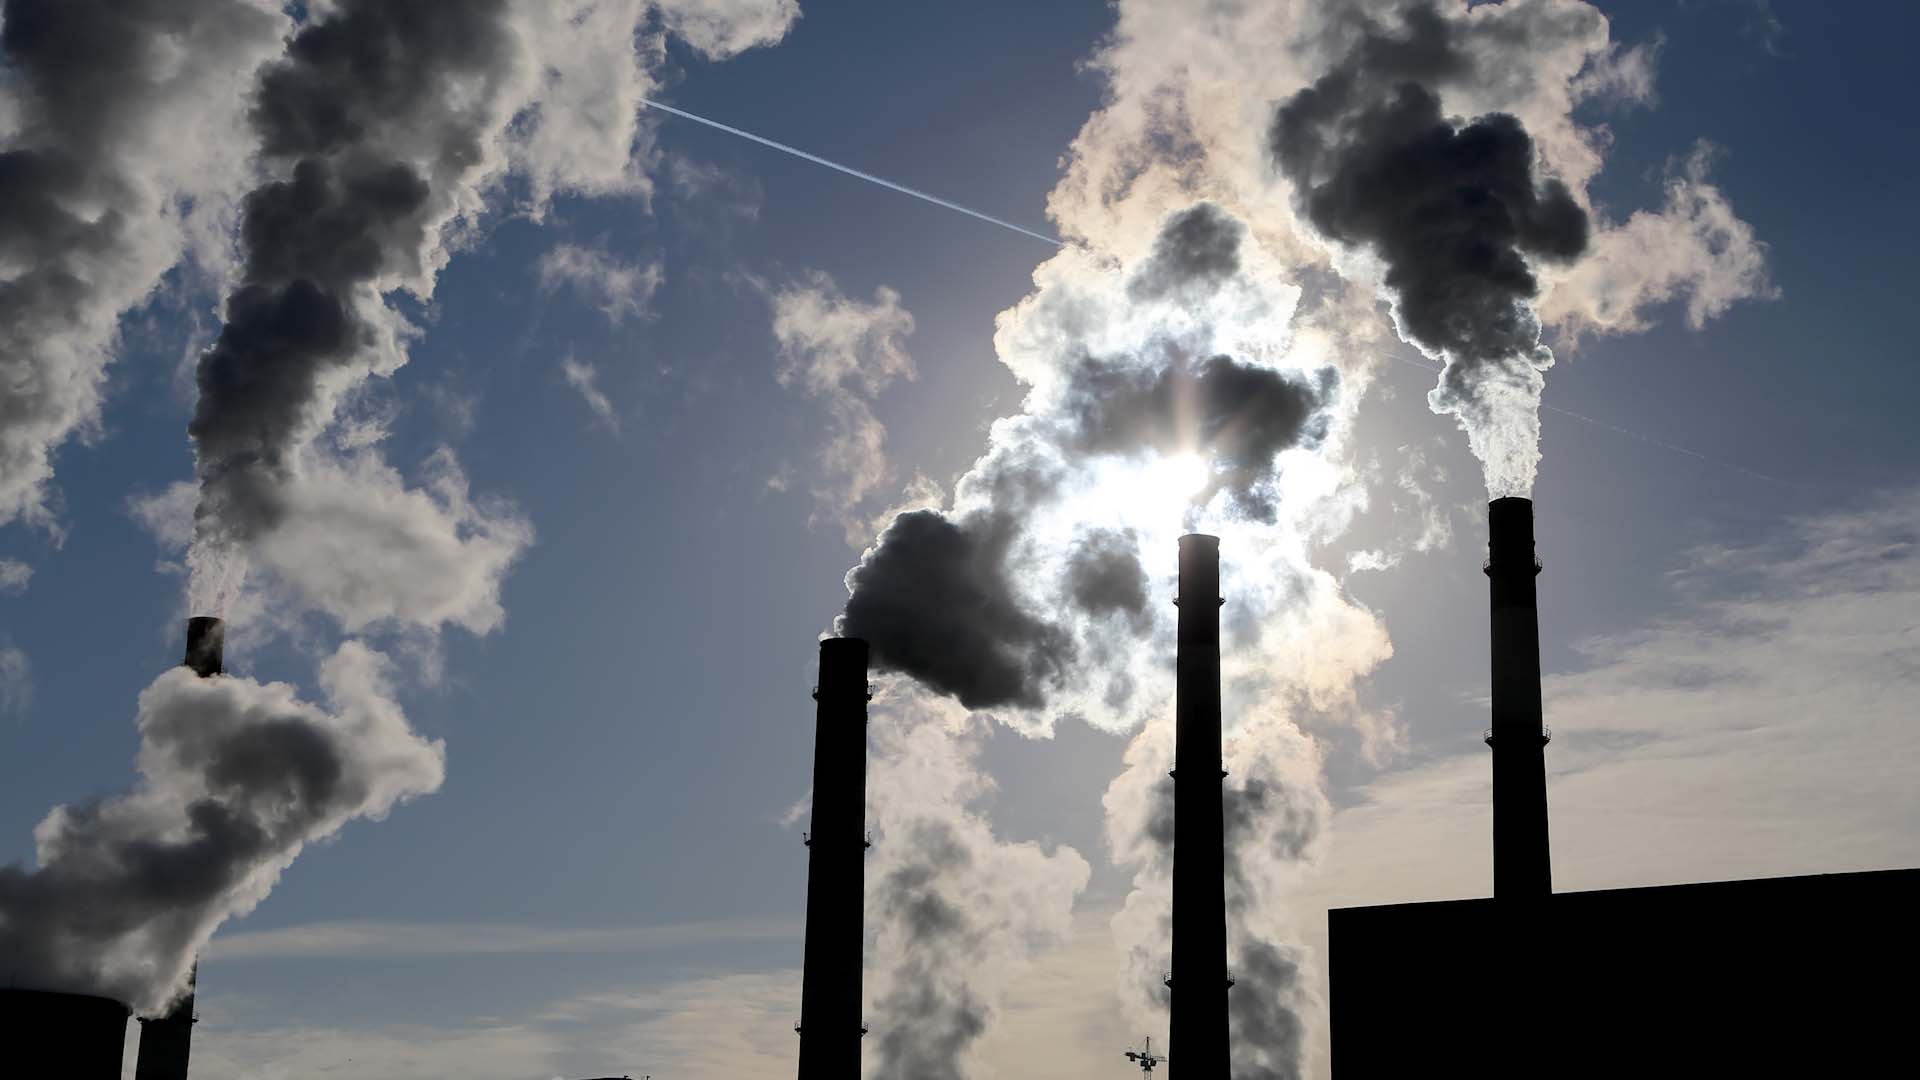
{"points": [[1198, 1041], [70, 1036], [1521, 869], [830, 1025]]}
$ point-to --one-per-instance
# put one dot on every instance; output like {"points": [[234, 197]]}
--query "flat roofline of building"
{"points": [[1874, 879]]}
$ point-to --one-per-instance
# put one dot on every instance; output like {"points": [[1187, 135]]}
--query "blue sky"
{"points": [[610, 878]]}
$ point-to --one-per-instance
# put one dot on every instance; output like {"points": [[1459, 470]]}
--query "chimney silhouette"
{"points": [[830, 1026], [70, 1036], [1198, 1035], [1521, 868], [166, 1042], [206, 645]]}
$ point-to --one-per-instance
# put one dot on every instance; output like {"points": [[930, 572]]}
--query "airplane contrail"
{"points": [[869, 177]]}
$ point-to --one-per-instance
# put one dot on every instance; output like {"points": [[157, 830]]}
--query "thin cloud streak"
{"points": [[350, 938], [856, 173]]}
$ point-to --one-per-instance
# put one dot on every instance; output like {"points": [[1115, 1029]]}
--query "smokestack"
{"points": [[1521, 869], [830, 1025], [166, 1042], [72, 1036], [1199, 981], [206, 645]]}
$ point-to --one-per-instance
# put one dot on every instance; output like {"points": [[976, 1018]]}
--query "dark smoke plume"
{"points": [[1238, 417], [97, 193], [236, 778], [1104, 575], [935, 596], [933, 600], [1454, 210], [375, 115]]}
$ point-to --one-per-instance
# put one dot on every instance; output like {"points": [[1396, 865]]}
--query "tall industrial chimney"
{"points": [[1199, 982], [71, 1036], [1521, 868], [166, 1042], [830, 1025]]}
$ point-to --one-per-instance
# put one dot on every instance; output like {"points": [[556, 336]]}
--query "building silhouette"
{"points": [[1797, 976]]}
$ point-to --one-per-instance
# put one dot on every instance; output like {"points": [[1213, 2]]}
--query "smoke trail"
{"points": [[856, 173], [374, 124], [237, 777], [1455, 212], [120, 152], [954, 910], [377, 134]]}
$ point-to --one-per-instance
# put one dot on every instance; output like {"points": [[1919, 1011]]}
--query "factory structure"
{"points": [[1785, 976], [1799, 976]]}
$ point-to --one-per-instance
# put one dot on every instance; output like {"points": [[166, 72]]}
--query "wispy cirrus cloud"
{"points": [[355, 938], [619, 288]]}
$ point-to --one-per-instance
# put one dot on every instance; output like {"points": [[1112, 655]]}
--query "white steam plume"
{"points": [[954, 911]]}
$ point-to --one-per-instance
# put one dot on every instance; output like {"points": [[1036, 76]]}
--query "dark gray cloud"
{"points": [[376, 114], [934, 601], [1198, 249], [1238, 416], [1104, 576]]}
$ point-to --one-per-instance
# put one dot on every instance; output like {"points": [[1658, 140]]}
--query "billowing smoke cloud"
{"points": [[1455, 212], [383, 133], [236, 777], [1104, 575], [934, 601], [379, 135], [1240, 417], [954, 911], [1150, 288], [961, 600], [1040, 592], [377, 122], [117, 119]]}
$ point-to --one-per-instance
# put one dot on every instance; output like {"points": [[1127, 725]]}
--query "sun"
{"points": [[1171, 482]]}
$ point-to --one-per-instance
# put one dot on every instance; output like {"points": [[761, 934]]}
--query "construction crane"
{"points": [[1145, 1057]]}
